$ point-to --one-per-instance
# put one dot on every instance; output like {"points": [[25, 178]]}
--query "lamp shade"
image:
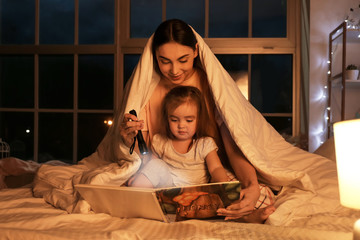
{"points": [[347, 149]]}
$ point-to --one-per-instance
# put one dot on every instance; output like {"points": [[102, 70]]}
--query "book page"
{"points": [[198, 201]]}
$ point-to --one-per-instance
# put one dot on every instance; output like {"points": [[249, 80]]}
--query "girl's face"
{"points": [[176, 61], [183, 121]]}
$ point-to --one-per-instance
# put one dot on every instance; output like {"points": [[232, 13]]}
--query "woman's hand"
{"points": [[244, 206], [129, 128], [250, 193]]}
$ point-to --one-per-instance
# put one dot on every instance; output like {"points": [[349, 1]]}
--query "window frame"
{"points": [[75, 49], [123, 44], [289, 45]]}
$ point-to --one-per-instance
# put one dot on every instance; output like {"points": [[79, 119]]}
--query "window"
{"points": [[57, 76], [63, 64], [257, 43], [56, 22]]}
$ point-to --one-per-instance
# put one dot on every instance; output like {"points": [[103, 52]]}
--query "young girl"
{"points": [[186, 154]]}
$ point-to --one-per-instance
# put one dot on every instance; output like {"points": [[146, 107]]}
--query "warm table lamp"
{"points": [[347, 148]]}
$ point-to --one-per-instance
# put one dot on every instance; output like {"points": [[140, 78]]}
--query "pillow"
{"points": [[327, 149]]}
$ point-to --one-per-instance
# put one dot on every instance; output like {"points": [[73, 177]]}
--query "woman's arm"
{"points": [[245, 172], [216, 169]]}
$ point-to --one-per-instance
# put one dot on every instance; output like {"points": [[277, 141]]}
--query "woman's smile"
{"points": [[175, 77], [176, 61]]}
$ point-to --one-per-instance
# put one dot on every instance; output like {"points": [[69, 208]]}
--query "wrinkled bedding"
{"points": [[309, 191], [24, 217]]}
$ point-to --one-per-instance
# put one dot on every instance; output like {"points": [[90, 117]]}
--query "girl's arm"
{"points": [[216, 169]]}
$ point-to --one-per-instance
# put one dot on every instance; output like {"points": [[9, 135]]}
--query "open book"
{"points": [[163, 204]]}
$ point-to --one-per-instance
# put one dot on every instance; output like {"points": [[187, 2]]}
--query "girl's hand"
{"points": [[129, 128], [244, 206]]}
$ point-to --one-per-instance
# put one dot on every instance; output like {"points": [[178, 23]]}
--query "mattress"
{"points": [[24, 217]]}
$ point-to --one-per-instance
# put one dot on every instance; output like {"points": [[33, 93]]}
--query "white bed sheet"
{"points": [[24, 217]]}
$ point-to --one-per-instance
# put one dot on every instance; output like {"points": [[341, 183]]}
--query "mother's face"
{"points": [[176, 61]]}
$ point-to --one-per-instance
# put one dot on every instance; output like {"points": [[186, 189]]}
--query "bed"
{"points": [[307, 205], [23, 216]]}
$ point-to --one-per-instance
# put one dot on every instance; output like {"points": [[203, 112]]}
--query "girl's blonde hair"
{"points": [[178, 96]]}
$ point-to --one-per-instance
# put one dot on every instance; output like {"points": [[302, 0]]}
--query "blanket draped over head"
{"points": [[308, 181]]}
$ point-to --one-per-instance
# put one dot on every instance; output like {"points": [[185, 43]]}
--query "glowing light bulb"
{"points": [[329, 72], [108, 122]]}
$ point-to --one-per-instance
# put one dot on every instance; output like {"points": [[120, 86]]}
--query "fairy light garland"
{"points": [[353, 23]]}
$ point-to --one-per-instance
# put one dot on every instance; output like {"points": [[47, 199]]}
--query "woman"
{"points": [[175, 51]]}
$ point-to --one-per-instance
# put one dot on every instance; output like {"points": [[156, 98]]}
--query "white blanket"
{"points": [[24, 217], [309, 181]]}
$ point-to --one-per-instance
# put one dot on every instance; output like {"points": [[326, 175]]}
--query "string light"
{"points": [[327, 111], [320, 130], [352, 22], [352, 19]]}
